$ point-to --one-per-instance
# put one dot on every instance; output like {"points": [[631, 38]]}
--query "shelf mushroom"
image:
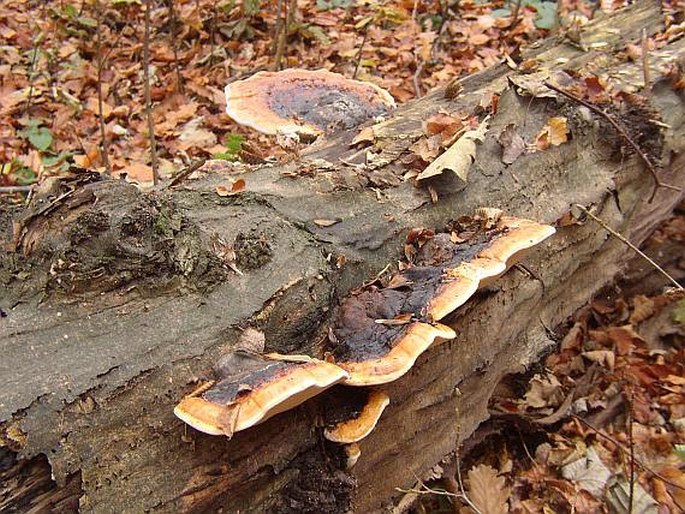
{"points": [[361, 413], [361, 423], [304, 103], [479, 261], [252, 389], [378, 333]]}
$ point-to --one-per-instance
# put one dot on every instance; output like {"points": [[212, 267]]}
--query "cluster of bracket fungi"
{"points": [[377, 332]]}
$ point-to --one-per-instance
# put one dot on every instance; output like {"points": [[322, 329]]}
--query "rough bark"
{"points": [[115, 303]]}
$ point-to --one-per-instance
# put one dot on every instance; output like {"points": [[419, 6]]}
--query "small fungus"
{"points": [[352, 454], [358, 427], [251, 389], [304, 103]]}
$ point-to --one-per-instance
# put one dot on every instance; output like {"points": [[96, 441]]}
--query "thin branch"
{"points": [[188, 170], [174, 44], [34, 58], [645, 62], [622, 132], [631, 246], [281, 33], [101, 118], [16, 189], [361, 50], [621, 447], [148, 100], [631, 448]]}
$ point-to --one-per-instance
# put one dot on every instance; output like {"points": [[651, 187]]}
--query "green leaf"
{"points": [[39, 137], [316, 33], [547, 15], [23, 176], [679, 450], [250, 7], [679, 312], [501, 13], [87, 22], [70, 10], [234, 143]]}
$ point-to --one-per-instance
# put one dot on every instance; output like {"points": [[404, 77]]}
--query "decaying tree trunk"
{"points": [[115, 303]]}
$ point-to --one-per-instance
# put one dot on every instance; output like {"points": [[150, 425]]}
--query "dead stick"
{"points": [[620, 446], [281, 33], [361, 49], [174, 45], [101, 117], [16, 189], [148, 99], [622, 132], [181, 175], [631, 246], [631, 447], [645, 61]]}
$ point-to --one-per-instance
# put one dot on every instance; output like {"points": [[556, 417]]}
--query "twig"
{"points": [[645, 62], [99, 59], [621, 447], [631, 448], [631, 246], [174, 45], [281, 33], [34, 58], [188, 170], [361, 50], [622, 132], [419, 62], [515, 14], [148, 100], [16, 189]]}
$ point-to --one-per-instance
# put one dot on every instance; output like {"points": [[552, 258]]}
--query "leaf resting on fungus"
{"points": [[488, 490], [458, 157]]}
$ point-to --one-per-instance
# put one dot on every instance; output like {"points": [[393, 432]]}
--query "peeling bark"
{"points": [[116, 303]]}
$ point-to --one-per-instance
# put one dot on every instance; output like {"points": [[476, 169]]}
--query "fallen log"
{"points": [[117, 303]]}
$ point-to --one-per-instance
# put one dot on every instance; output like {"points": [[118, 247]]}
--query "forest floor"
{"points": [[599, 425]]}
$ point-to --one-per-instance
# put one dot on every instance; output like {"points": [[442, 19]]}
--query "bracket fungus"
{"points": [[252, 388], [378, 333], [362, 422], [304, 103], [487, 254]]}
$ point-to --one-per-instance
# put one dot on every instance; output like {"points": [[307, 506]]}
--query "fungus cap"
{"points": [[416, 338], [507, 242], [261, 389], [357, 428], [304, 102]]}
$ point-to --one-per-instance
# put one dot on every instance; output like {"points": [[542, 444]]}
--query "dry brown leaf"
{"points": [[512, 144], [237, 187], [459, 157], [603, 357], [544, 392], [488, 491], [558, 130], [366, 135], [644, 308]]}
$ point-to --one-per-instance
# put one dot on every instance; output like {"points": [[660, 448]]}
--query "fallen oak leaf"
{"points": [[237, 187], [487, 490], [554, 133], [458, 157]]}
